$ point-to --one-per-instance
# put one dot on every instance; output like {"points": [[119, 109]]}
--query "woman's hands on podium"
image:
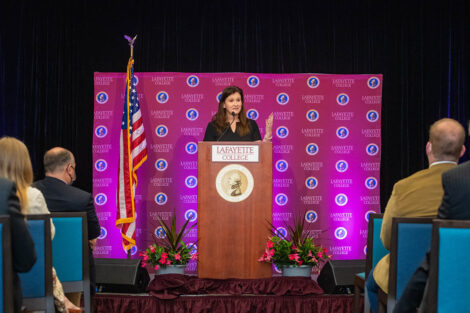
{"points": [[269, 129]]}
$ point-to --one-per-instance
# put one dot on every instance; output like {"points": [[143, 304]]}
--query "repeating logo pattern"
{"points": [[102, 97], [101, 131], [341, 233], [341, 166], [161, 198], [311, 216], [101, 165], [313, 82], [342, 132], [161, 165], [370, 182], [311, 149], [342, 99], [192, 81], [252, 81], [281, 199], [190, 215], [190, 181], [373, 82], [101, 199], [312, 115], [311, 182], [162, 97], [372, 116], [372, 149], [252, 114], [298, 133], [282, 98], [161, 131], [341, 199], [192, 114], [282, 165], [282, 132], [191, 148]]}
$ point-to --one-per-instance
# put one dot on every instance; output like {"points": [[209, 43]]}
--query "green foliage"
{"points": [[297, 248], [171, 249]]}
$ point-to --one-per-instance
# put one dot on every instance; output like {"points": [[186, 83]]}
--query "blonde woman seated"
{"points": [[15, 164]]}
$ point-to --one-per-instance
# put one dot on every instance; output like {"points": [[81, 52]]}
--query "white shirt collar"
{"points": [[443, 162]]}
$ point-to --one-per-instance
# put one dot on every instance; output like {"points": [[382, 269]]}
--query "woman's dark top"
{"points": [[212, 135]]}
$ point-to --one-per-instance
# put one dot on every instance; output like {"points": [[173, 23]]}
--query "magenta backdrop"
{"points": [[326, 150]]}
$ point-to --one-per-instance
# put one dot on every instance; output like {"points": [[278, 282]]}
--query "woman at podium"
{"points": [[230, 122]]}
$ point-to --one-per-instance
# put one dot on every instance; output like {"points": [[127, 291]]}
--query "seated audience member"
{"points": [[22, 245], [16, 166], [455, 206], [418, 195], [61, 196]]}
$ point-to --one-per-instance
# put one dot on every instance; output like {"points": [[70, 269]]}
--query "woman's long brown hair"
{"points": [[15, 165], [220, 118]]}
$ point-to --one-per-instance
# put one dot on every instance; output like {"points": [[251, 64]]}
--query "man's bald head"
{"points": [[56, 160], [447, 137]]}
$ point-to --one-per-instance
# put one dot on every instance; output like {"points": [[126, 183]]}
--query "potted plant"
{"points": [[169, 255], [295, 254]]}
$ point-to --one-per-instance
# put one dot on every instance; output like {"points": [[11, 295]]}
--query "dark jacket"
{"points": [[61, 197], [22, 245]]}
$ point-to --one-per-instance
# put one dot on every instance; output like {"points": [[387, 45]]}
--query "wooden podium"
{"points": [[234, 201]]}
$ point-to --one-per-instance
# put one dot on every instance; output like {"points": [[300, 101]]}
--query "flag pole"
{"points": [[131, 44]]}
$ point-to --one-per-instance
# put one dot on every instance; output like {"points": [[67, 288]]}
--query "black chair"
{"points": [[449, 275], [37, 283], [6, 294], [70, 253]]}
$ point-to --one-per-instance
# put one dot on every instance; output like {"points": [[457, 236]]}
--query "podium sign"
{"points": [[234, 208], [235, 153]]}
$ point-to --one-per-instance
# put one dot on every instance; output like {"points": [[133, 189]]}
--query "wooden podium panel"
{"points": [[232, 235]]}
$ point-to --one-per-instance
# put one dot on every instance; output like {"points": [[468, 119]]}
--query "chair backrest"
{"points": [[70, 253], [449, 274], [37, 283], [375, 247], [6, 286], [411, 239]]}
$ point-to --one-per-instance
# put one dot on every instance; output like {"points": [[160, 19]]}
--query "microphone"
{"points": [[223, 133]]}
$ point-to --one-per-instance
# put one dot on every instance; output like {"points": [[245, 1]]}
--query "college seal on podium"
{"points": [[234, 183]]}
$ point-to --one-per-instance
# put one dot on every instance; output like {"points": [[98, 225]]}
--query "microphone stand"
{"points": [[230, 125]]}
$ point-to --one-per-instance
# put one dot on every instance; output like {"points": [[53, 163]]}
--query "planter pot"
{"points": [[171, 269], [302, 270]]}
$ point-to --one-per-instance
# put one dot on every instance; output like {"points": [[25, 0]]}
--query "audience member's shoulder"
{"points": [[33, 192], [5, 189], [77, 192], [462, 169], [410, 179]]}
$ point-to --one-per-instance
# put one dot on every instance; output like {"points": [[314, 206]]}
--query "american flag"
{"points": [[132, 153]]}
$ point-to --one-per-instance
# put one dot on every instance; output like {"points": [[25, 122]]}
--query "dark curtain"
{"points": [[50, 49]]}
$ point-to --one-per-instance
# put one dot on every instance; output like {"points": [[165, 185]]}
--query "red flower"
{"points": [[156, 267], [162, 261], [152, 249], [269, 244], [142, 264], [164, 255], [178, 256], [194, 256]]}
